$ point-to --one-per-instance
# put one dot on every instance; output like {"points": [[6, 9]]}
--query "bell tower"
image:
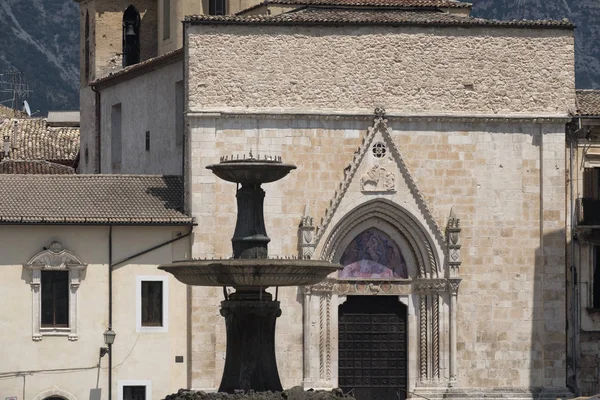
{"points": [[115, 34]]}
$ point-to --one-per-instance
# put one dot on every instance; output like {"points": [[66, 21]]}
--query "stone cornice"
{"points": [[265, 113]]}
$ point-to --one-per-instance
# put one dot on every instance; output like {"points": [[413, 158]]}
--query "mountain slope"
{"points": [[40, 38], [585, 14]]}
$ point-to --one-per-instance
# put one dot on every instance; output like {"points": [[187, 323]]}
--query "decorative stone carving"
{"points": [[423, 338], [453, 244], [426, 286], [54, 258], [325, 336], [379, 125], [306, 236], [378, 179], [357, 287]]}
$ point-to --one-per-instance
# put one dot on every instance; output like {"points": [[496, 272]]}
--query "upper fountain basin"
{"points": [[251, 272], [251, 171]]}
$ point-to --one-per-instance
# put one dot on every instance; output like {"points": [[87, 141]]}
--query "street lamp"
{"points": [[109, 339]]}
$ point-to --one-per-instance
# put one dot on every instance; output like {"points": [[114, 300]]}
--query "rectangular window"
{"points": [[179, 117], [134, 390], [216, 7], [55, 298], [596, 278], [147, 140], [166, 19], [115, 138], [152, 303]]}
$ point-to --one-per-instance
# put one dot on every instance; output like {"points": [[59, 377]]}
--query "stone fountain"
{"points": [[250, 312]]}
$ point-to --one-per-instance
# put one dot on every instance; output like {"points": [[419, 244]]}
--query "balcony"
{"points": [[588, 212]]}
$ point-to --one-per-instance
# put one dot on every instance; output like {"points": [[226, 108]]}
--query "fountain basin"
{"points": [[251, 171], [245, 273]]}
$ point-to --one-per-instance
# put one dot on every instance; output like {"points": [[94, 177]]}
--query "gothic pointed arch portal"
{"points": [[378, 193]]}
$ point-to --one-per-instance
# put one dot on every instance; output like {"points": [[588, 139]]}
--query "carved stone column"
{"points": [[453, 286], [307, 381]]}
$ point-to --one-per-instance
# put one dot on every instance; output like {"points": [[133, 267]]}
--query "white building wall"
{"points": [[56, 365], [148, 103]]}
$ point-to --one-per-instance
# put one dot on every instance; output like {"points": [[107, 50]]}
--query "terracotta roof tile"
{"points": [[34, 139], [139, 68], [367, 16], [92, 199], [588, 103], [425, 4], [33, 167]]}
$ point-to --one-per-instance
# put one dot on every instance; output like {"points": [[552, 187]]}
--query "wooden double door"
{"points": [[373, 347]]}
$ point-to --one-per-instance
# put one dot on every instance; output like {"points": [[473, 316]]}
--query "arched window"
{"points": [[373, 254], [131, 36], [86, 56]]}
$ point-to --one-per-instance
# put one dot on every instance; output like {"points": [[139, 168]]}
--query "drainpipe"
{"points": [[110, 271], [98, 115], [572, 132], [111, 267]]}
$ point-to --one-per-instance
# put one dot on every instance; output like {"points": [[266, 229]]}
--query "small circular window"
{"points": [[379, 150]]}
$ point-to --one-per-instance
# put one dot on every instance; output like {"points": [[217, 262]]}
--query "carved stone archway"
{"points": [[55, 392], [429, 293]]}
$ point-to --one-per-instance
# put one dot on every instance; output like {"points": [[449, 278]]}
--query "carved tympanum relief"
{"points": [[378, 179]]}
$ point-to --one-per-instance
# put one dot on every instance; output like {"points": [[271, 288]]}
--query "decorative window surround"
{"points": [[146, 383], [54, 258], [138, 303]]}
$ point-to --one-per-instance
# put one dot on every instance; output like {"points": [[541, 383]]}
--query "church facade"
{"points": [[431, 159]]}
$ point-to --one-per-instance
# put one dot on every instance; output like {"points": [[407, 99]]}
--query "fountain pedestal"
{"points": [[250, 362], [250, 313]]}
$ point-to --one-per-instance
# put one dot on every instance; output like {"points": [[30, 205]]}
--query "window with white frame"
{"points": [[135, 390], [54, 275], [152, 303]]}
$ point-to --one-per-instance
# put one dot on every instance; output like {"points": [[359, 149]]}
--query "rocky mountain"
{"points": [[585, 14], [40, 38]]}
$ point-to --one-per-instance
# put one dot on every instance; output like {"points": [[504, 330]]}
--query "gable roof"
{"points": [[33, 167], [312, 15], [34, 139], [92, 199], [404, 4], [588, 103]]}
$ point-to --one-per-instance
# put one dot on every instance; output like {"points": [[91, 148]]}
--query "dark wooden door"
{"points": [[372, 347]]}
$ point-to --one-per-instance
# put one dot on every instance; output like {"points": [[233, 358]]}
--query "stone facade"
{"points": [[423, 70], [502, 176]]}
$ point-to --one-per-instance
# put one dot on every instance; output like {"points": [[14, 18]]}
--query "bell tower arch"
{"points": [[103, 34]]}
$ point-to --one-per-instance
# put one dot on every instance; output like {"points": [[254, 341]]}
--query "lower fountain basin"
{"points": [[241, 273]]}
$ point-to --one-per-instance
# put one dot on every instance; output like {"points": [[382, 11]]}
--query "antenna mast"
{"points": [[12, 84]]}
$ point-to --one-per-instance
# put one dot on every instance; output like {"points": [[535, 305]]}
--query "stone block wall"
{"points": [[356, 68], [504, 179]]}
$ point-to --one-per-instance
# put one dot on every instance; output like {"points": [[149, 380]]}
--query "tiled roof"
{"points": [[92, 199], [33, 139], [7, 112], [588, 103], [426, 4], [370, 16], [33, 167], [134, 70]]}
